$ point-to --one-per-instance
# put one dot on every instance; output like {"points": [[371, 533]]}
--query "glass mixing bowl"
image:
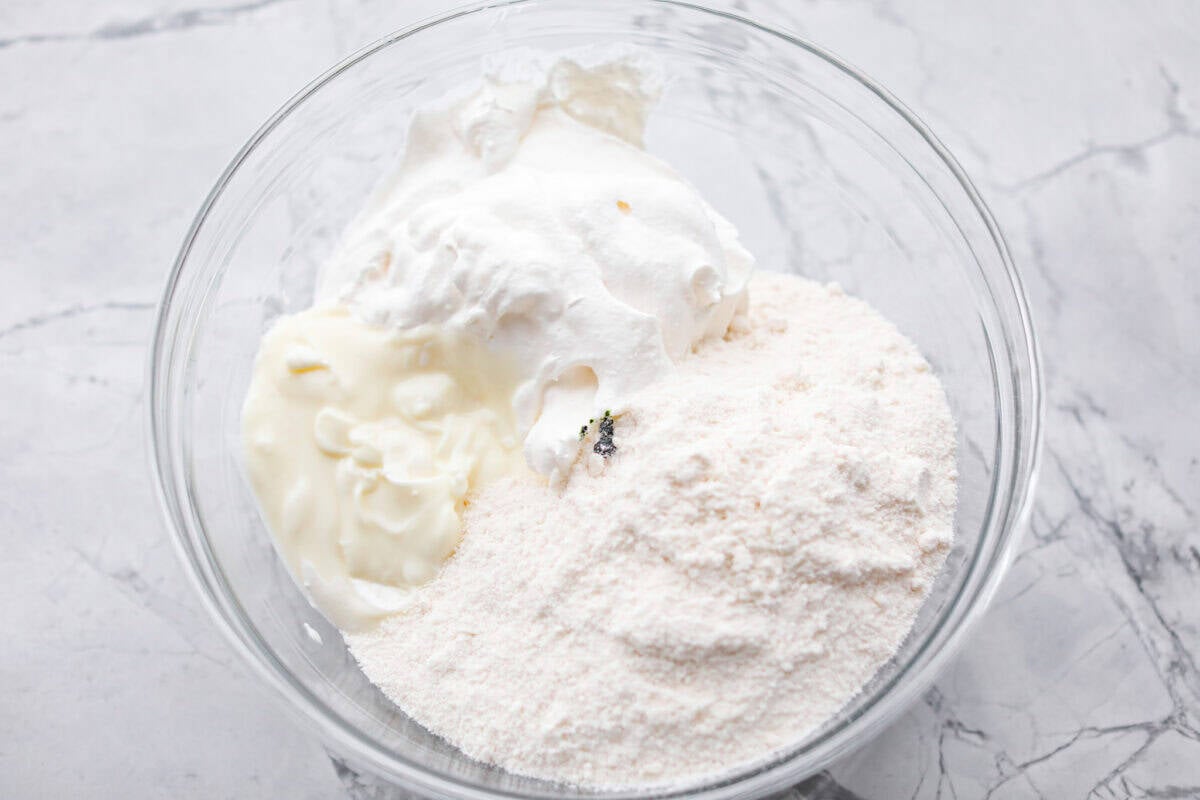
{"points": [[823, 172]]}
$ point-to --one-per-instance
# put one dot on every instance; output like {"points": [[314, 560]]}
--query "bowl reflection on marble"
{"points": [[823, 173]]}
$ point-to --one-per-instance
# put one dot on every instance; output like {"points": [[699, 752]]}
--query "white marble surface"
{"points": [[1079, 120]]}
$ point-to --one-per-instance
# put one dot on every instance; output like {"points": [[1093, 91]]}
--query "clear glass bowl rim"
{"points": [[199, 561]]}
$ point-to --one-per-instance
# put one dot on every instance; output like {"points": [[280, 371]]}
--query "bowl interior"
{"points": [[821, 175]]}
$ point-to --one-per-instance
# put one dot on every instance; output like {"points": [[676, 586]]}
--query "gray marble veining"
{"points": [[1079, 122]]}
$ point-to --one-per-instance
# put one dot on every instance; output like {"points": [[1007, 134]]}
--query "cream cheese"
{"points": [[363, 444]]}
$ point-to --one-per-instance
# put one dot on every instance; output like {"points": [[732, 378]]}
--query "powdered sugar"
{"points": [[756, 549]]}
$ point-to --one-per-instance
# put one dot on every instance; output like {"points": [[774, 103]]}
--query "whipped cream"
{"points": [[528, 216]]}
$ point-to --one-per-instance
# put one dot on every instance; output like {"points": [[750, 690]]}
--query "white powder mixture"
{"points": [[757, 548]]}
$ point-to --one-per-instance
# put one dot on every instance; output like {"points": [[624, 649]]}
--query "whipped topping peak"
{"points": [[528, 216]]}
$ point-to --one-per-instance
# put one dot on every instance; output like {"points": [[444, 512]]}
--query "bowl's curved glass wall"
{"points": [[822, 176]]}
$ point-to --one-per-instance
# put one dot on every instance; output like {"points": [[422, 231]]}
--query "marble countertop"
{"points": [[1080, 122]]}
